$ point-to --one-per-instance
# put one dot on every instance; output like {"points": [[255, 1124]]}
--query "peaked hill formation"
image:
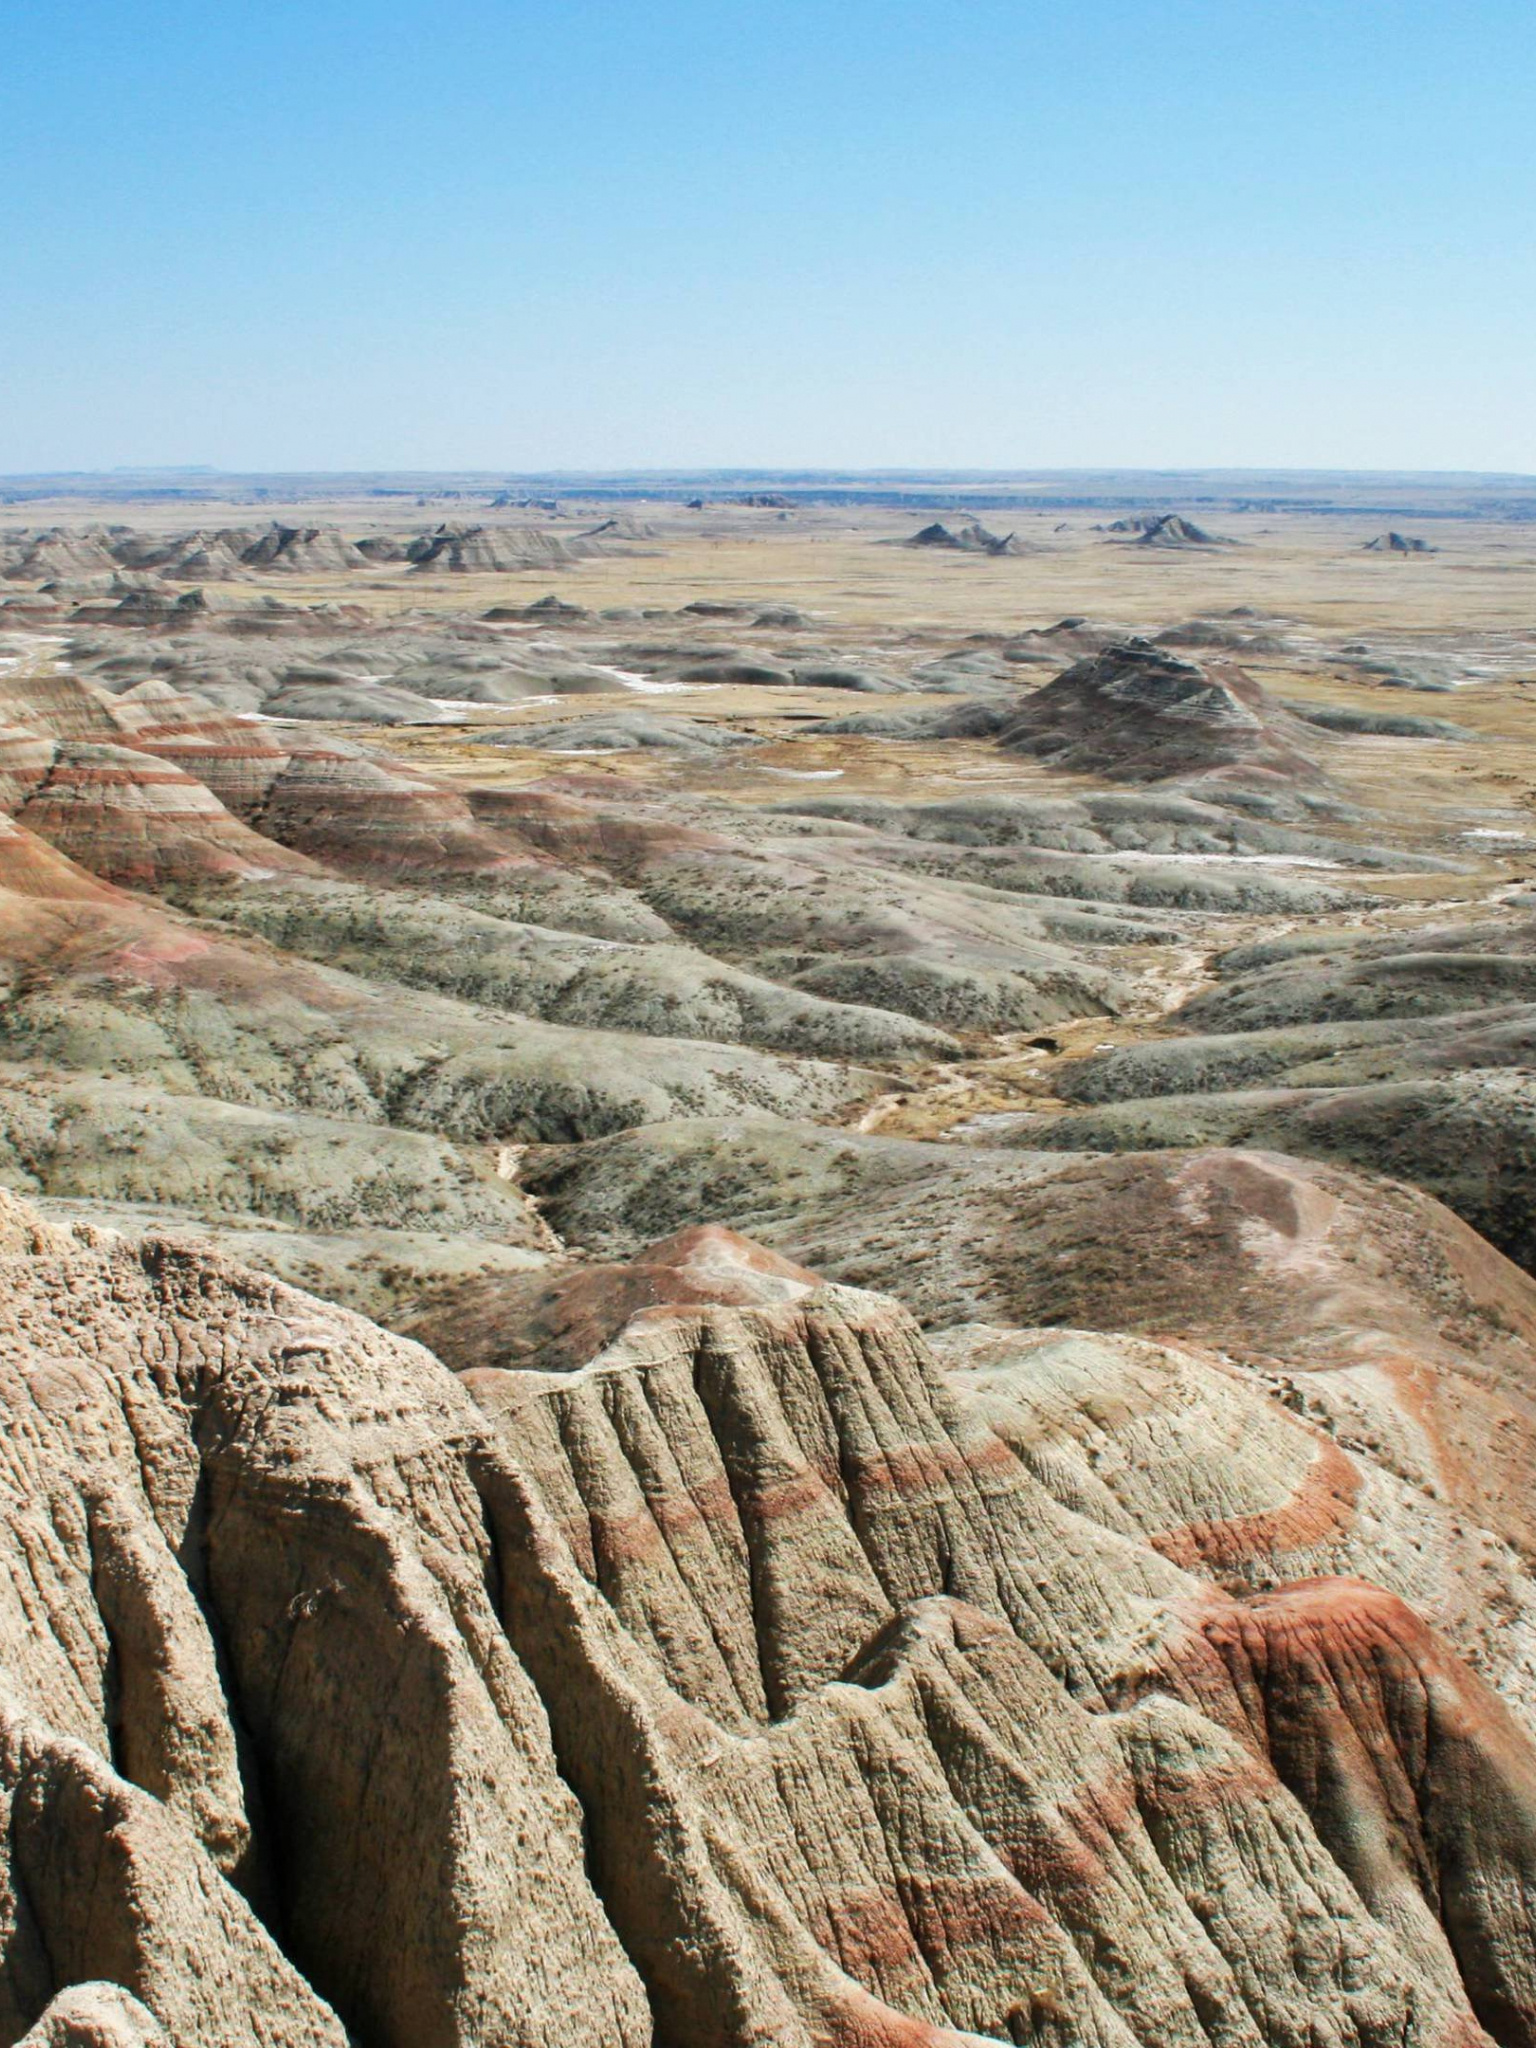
{"points": [[1138, 713], [1394, 543], [1173, 530], [972, 538]]}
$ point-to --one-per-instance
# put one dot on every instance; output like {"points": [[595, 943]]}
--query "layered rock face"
{"points": [[143, 822], [25, 758], [1368, 1309], [746, 1684], [301, 549], [238, 759], [58, 704], [465, 549]]}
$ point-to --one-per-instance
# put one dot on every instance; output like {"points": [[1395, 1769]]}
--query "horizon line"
{"points": [[924, 473]]}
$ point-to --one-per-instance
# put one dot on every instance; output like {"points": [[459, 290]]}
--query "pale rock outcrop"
{"points": [[301, 550], [239, 759], [245, 1550], [1377, 1305], [1212, 1464], [96, 2016], [59, 552]]}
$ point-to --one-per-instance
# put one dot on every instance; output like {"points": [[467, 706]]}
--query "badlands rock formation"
{"points": [[749, 1682], [746, 1373], [1394, 543], [76, 556], [141, 821], [1139, 714], [1173, 530], [972, 538]]}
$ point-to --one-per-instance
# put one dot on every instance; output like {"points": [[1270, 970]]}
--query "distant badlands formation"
{"points": [[228, 554], [690, 1570], [103, 555]]}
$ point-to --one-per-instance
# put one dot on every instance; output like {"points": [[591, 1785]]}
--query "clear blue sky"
{"points": [[563, 233]]}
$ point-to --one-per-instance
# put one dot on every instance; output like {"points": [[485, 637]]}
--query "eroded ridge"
{"points": [[743, 1685]]}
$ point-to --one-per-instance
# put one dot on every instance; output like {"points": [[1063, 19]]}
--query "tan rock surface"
{"points": [[244, 1614], [96, 2016], [58, 705]]}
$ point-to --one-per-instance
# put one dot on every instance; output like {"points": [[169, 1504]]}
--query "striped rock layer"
{"points": [[747, 1684]]}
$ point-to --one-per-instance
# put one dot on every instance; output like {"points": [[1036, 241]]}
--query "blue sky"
{"points": [[566, 233]]}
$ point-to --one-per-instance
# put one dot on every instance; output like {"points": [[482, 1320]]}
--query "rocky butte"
{"points": [[744, 1373]]}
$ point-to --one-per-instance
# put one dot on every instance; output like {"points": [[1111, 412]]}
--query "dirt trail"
{"points": [[1015, 1070]]}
